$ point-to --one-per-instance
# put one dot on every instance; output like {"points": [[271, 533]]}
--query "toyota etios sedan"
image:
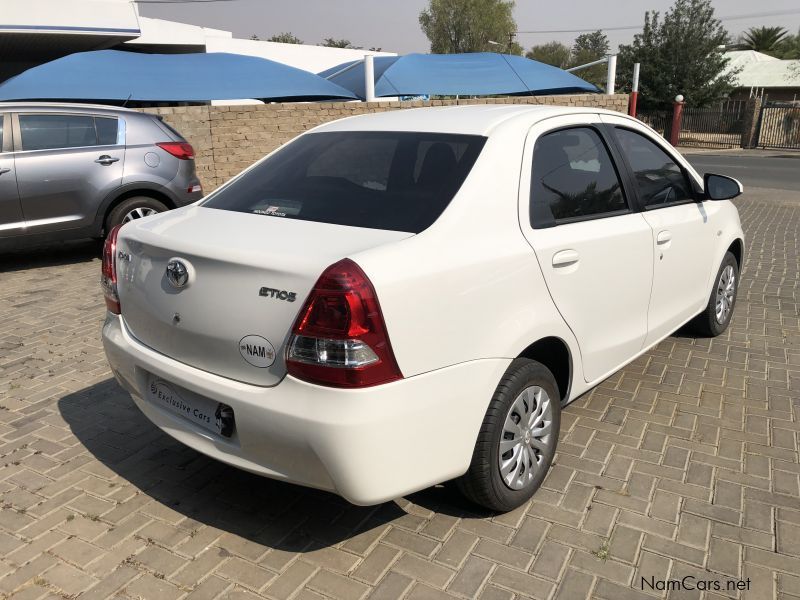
{"points": [[395, 300]]}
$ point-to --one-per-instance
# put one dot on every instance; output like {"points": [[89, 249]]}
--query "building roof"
{"points": [[760, 70], [477, 119]]}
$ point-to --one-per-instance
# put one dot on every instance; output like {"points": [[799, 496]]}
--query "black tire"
{"points": [[483, 483], [706, 323], [118, 213]]}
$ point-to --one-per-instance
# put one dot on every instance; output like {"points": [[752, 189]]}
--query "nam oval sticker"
{"points": [[257, 351]]}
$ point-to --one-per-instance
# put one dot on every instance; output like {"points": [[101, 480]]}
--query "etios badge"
{"points": [[257, 351], [177, 273]]}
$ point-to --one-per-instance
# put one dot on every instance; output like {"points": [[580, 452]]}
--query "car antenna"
{"points": [[124, 104]]}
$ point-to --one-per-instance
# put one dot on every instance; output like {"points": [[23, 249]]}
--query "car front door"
{"points": [[11, 220], [682, 225], [593, 247], [66, 164]]}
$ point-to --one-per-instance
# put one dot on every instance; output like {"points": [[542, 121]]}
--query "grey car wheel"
{"points": [[133, 209], [138, 213]]}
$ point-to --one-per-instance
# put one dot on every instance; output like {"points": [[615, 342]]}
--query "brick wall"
{"points": [[229, 138]]}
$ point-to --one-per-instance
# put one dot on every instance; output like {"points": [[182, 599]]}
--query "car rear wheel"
{"points": [[517, 440], [132, 209], [718, 312]]}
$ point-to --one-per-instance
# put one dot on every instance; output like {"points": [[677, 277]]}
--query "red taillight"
{"points": [[108, 277], [340, 338], [182, 150]]}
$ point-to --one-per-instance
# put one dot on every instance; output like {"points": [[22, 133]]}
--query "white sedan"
{"points": [[396, 300]]}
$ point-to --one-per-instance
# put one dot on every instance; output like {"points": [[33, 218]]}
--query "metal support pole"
{"points": [[611, 79], [369, 78], [677, 116], [634, 91]]}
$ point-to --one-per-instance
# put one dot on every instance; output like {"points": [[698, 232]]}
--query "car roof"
{"points": [[477, 119], [63, 107]]}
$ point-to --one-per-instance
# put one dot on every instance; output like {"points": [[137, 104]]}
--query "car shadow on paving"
{"points": [[273, 513], [52, 255]]}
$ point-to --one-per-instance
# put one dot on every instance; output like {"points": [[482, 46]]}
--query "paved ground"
{"points": [[684, 463], [757, 168]]}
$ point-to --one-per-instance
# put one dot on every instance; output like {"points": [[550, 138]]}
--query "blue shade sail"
{"points": [[477, 74], [200, 77]]}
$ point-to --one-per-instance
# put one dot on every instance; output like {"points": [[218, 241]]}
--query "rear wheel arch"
{"points": [[555, 354]]}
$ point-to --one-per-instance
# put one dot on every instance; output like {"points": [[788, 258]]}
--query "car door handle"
{"points": [[663, 237], [4, 170], [564, 258], [106, 160]]}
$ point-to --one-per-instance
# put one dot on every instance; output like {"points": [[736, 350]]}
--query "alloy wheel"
{"points": [[138, 213]]}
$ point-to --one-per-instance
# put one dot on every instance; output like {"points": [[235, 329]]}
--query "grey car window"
{"points": [[106, 130], [43, 132]]}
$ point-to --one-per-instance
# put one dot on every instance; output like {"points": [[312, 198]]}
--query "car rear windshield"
{"points": [[399, 181]]}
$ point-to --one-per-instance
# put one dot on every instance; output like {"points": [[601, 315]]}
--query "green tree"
{"points": [[789, 47], [551, 53], [455, 26], [589, 47], [679, 55], [763, 39], [334, 43], [286, 37]]}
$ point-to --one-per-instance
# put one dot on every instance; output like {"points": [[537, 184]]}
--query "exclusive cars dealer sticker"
{"points": [[257, 351]]}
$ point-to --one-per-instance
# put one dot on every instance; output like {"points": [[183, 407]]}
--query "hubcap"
{"points": [[527, 437], [138, 213], [726, 290]]}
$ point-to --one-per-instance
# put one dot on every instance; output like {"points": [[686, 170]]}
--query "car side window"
{"points": [[573, 177], [660, 179], [47, 132]]}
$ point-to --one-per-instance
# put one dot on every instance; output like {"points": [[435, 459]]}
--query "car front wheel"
{"points": [[718, 312], [517, 440]]}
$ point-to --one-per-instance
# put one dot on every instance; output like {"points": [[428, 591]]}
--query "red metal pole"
{"points": [[677, 112], [632, 103]]}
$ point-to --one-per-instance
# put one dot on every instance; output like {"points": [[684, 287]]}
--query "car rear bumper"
{"points": [[368, 445]]}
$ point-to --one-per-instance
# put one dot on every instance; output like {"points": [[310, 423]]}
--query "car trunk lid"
{"points": [[247, 277]]}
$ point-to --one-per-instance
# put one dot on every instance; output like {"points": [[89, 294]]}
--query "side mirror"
{"points": [[721, 187]]}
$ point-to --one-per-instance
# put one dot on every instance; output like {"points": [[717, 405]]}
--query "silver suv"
{"points": [[71, 171]]}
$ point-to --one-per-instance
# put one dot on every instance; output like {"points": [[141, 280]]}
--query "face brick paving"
{"points": [[683, 464]]}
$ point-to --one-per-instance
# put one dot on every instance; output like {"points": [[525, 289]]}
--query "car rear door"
{"points": [[11, 220], [682, 228], [593, 247], [66, 164]]}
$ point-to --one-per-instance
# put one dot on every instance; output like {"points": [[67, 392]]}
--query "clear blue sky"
{"points": [[393, 25]]}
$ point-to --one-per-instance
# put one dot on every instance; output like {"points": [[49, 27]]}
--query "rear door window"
{"points": [[50, 131], [400, 181], [106, 130], [573, 178]]}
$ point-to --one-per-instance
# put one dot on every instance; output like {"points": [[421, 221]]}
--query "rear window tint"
{"points": [[399, 181]]}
